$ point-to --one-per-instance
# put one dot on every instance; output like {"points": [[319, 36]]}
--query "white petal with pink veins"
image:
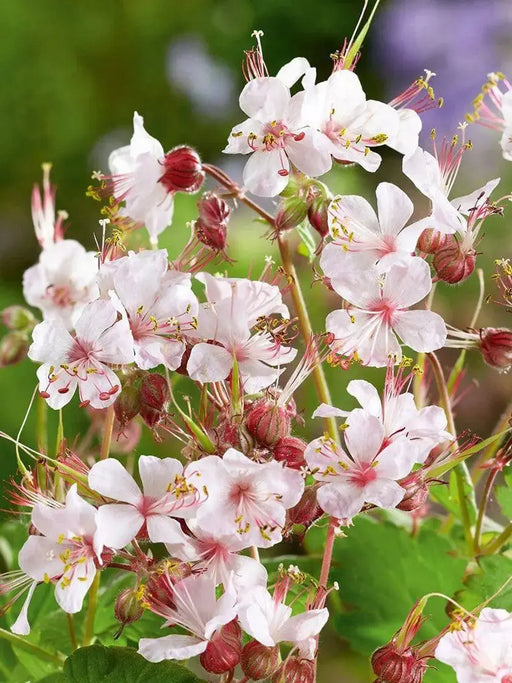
{"points": [[51, 342], [405, 140], [341, 499], [406, 285], [21, 626], [162, 529], [265, 99], [266, 172], [157, 474], [171, 647], [71, 590], [325, 410], [303, 626], [209, 363], [396, 460], [367, 396], [142, 142], [39, 557], [118, 524], [394, 208], [311, 155], [238, 141], [421, 330], [110, 478], [384, 493], [290, 73], [364, 435]]}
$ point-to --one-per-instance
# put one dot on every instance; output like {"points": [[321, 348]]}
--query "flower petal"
{"points": [[266, 172], [171, 647], [394, 208], [110, 478], [421, 330]]}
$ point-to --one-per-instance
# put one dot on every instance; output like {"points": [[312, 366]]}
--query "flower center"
{"points": [[60, 296], [363, 474], [81, 351], [385, 309]]}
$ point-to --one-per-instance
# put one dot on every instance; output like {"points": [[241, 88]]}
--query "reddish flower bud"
{"points": [[268, 423], [295, 670], [213, 209], [292, 211], [13, 348], [496, 346], [183, 171], [213, 235], [416, 492], [398, 666], [128, 607], [154, 398], [290, 450], [128, 404], [431, 240], [224, 649], [258, 661], [18, 319], [451, 263], [307, 509], [317, 215]]}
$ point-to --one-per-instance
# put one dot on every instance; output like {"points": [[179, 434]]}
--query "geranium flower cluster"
{"points": [[121, 325]]}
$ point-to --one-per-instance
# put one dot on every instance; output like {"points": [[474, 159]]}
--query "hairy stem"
{"points": [[461, 471], [72, 631], [499, 541], [91, 610], [23, 644], [107, 434], [483, 507]]}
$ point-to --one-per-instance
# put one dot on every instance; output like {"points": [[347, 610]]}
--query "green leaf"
{"points": [[307, 247], [504, 496], [493, 572], [382, 571], [121, 665], [54, 678]]}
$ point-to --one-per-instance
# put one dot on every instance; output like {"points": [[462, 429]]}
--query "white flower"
{"points": [[137, 170], [367, 473], [355, 228], [82, 361], [63, 282], [160, 305], [270, 622], [378, 312], [197, 610], [276, 133], [480, 652], [246, 498], [168, 491], [64, 553]]}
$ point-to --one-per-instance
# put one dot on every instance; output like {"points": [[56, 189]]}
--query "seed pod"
{"points": [[183, 171], [317, 215], [258, 661], [290, 450], [451, 263], [128, 607], [268, 422], [431, 240], [395, 666], [496, 346], [154, 398], [307, 510], [295, 670], [224, 649], [292, 211], [128, 403], [18, 319], [13, 348], [416, 492]]}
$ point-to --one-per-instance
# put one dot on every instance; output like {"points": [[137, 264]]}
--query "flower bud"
{"points": [[292, 211], [258, 661], [13, 349], [213, 235], [18, 318], [431, 240], [416, 492], [317, 215], [127, 405], [268, 423], [451, 263], [290, 450], [213, 209], [395, 666], [154, 398], [183, 171], [307, 510], [128, 607], [295, 670], [496, 346], [224, 649]]}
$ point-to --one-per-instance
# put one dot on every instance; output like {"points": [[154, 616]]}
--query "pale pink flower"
{"points": [[218, 554], [102, 338], [355, 228], [480, 651], [226, 324], [160, 305], [64, 553], [246, 498], [398, 414], [366, 473], [63, 282], [378, 313], [277, 133], [197, 610], [434, 177], [269, 621], [168, 491], [137, 170], [350, 124]]}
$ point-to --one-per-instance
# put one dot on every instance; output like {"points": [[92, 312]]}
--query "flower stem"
{"points": [[329, 547], [72, 631], [23, 644], [483, 507], [498, 541], [42, 424], [491, 450], [91, 610], [107, 434], [461, 470]]}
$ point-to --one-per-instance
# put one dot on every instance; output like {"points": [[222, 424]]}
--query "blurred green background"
{"points": [[73, 73]]}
